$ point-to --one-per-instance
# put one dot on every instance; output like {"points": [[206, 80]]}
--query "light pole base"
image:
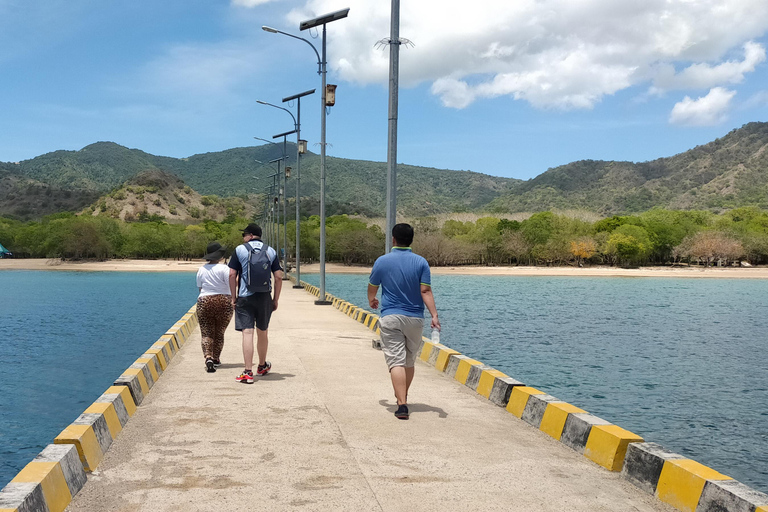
{"points": [[323, 303], [297, 286]]}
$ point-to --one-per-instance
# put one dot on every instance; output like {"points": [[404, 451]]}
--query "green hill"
{"points": [[727, 173], [352, 186]]}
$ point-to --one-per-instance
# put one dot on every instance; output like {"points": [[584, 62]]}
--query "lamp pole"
{"points": [[304, 25], [285, 195], [394, 66], [299, 151]]}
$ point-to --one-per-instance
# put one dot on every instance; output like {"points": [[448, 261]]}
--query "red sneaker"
{"points": [[264, 369], [246, 377]]}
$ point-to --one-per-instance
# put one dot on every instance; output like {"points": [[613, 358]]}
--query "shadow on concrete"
{"points": [[412, 408], [224, 366], [274, 376]]}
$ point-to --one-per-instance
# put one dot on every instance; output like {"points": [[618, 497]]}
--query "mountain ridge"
{"points": [[729, 172]]}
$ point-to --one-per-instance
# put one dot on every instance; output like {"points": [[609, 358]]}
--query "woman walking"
{"points": [[214, 304]]}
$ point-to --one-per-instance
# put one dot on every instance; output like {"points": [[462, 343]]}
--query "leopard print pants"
{"points": [[213, 313]]}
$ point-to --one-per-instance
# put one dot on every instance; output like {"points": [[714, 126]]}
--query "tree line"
{"points": [[656, 237]]}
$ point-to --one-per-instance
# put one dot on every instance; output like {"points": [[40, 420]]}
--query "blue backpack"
{"points": [[259, 275]]}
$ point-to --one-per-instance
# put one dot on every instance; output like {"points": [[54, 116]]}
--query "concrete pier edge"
{"points": [[52, 479], [680, 482]]}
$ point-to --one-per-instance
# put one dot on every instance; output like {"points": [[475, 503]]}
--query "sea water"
{"points": [[681, 362], [64, 338]]}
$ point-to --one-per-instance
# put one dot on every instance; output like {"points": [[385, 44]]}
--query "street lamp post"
{"points": [[299, 151], [321, 62], [285, 195], [276, 185]]}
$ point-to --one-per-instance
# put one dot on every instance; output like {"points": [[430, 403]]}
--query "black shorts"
{"points": [[256, 308]]}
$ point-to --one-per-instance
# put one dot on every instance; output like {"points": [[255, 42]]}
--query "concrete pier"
{"points": [[318, 433]]}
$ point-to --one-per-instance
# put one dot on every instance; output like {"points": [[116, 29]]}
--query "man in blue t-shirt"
{"points": [[253, 307], [406, 288]]}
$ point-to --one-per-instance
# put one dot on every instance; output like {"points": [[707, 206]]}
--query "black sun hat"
{"points": [[215, 251]]}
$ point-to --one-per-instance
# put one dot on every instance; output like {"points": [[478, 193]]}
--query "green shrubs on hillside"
{"points": [[655, 237]]}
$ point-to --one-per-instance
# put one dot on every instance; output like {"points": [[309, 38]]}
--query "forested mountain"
{"points": [[352, 186], [727, 173]]}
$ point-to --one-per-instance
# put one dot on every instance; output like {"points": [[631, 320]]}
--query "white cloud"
{"points": [[566, 54], [703, 76], [708, 110]]}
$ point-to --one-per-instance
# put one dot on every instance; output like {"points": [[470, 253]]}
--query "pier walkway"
{"points": [[318, 433]]}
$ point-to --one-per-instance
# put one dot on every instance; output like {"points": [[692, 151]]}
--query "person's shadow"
{"points": [[414, 408]]}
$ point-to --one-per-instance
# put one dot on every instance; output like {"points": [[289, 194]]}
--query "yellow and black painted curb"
{"points": [[683, 483], [49, 482]]}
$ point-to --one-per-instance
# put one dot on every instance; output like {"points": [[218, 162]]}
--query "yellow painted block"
{"points": [[761, 509], [443, 357], [125, 394], [84, 438], [167, 344], [160, 357], [462, 372], [519, 399], [553, 421], [682, 481], [142, 379], [169, 338], [151, 365], [607, 445], [487, 378], [425, 351], [51, 479], [107, 409]]}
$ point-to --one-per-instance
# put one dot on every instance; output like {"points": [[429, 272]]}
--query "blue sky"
{"points": [[504, 88]]}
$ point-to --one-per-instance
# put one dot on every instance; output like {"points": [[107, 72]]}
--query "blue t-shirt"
{"points": [[401, 274], [239, 262]]}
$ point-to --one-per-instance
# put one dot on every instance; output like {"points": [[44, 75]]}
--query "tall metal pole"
{"points": [[304, 25], [321, 295], [297, 130], [394, 75], [298, 194], [285, 211]]}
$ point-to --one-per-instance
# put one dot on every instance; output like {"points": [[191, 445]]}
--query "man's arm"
{"points": [[278, 287], [429, 301], [372, 300], [233, 284]]}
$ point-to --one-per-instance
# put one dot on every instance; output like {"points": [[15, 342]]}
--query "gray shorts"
{"points": [[400, 339], [253, 309]]}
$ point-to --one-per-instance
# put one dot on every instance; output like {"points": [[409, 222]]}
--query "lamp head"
{"points": [[269, 29]]}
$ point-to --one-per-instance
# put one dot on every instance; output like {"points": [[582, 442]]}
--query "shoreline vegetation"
{"points": [[656, 238], [128, 265]]}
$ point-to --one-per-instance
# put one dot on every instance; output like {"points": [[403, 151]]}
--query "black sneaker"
{"points": [[209, 365], [402, 412], [216, 363]]}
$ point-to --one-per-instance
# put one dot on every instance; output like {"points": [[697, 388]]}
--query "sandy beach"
{"points": [[597, 271]]}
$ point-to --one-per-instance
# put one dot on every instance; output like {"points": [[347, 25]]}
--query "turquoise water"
{"points": [[65, 337], [681, 362]]}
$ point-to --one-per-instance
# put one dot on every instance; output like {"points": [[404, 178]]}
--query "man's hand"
{"points": [[374, 303], [234, 301], [435, 323], [274, 304]]}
